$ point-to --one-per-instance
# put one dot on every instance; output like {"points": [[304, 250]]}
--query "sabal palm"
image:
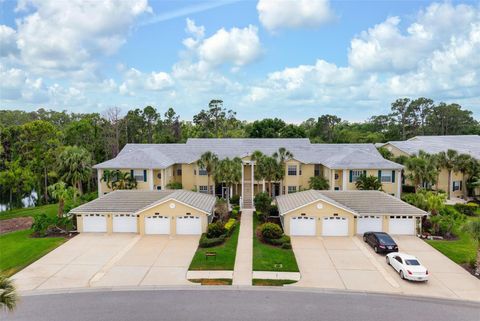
{"points": [[282, 156], [123, 180], [75, 164], [61, 192], [365, 182], [466, 165], [228, 171], [108, 177], [208, 161], [8, 294], [448, 160], [422, 169]]}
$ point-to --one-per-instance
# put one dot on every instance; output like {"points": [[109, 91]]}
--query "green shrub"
{"points": [[262, 202], [235, 199], [469, 209], [216, 229], [221, 209], [234, 214], [230, 225], [260, 216], [277, 242], [270, 231], [273, 210], [210, 242], [41, 224], [287, 246], [174, 185]]}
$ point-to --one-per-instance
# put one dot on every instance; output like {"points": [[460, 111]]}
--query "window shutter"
{"points": [[461, 183], [351, 176], [393, 176], [365, 173], [131, 173], [379, 175], [144, 175]]}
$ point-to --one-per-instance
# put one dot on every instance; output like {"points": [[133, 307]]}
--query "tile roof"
{"points": [[337, 156], [132, 201], [360, 202], [463, 144]]}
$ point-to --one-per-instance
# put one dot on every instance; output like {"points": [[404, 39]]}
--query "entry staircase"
{"points": [[247, 195]]}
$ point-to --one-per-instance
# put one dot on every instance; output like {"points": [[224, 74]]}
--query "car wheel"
{"points": [[402, 276], [388, 260], [375, 249]]}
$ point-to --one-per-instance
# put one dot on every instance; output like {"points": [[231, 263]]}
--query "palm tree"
{"points": [[61, 193], [108, 177], [123, 180], [75, 163], [473, 228], [371, 183], [466, 165], [318, 183], [435, 202], [270, 169], [422, 169], [258, 158], [8, 294], [208, 161], [229, 172], [282, 156], [448, 160]]}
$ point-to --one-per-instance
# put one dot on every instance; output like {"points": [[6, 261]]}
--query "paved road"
{"points": [[216, 304]]}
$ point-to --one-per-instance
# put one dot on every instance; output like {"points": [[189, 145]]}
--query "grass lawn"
{"points": [[463, 250], [225, 259], [269, 282], [18, 250], [50, 210], [265, 256]]}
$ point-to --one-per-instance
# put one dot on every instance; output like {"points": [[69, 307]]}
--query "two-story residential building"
{"points": [[154, 166], [463, 144]]}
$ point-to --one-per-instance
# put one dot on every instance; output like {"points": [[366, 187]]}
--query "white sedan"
{"points": [[407, 266]]}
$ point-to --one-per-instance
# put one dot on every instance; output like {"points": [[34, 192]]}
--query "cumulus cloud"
{"points": [[61, 37], [8, 44], [135, 80], [275, 14]]}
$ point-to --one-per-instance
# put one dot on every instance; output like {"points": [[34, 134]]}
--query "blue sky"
{"points": [[266, 58]]}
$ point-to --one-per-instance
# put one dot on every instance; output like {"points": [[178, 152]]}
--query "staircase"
{"points": [[247, 195]]}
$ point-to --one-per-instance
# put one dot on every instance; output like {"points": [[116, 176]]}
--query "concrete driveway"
{"points": [[349, 263], [97, 260]]}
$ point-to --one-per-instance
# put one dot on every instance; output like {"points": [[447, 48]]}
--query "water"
{"points": [[28, 201]]}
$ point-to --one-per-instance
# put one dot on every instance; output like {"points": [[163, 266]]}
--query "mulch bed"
{"points": [[15, 224]]}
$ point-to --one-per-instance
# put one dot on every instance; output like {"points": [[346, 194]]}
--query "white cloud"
{"points": [[8, 38], [135, 80], [64, 37], [275, 14]]}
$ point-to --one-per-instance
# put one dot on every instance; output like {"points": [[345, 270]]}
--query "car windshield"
{"points": [[384, 238], [412, 262]]}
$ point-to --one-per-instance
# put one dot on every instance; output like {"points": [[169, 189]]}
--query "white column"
{"points": [[398, 179], [150, 179], [344, 180], [252, 164], [332, 179], [263, 186], [163, 179], [99, 181], [242, 195]]}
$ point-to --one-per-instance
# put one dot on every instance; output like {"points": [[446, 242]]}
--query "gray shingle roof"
{"points": [[132, 201], [360, 202], [337, 156], [464, 144]]}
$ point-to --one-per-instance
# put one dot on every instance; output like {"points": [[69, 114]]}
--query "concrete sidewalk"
{"points": [[242, 273]]}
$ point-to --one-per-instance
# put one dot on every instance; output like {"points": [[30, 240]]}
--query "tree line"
{"points": [[43, 147]]}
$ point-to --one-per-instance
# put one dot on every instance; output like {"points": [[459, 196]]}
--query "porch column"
{"points": [[99, 181], [332, 180], [253, 166], [163, 179], [344, 180], [150, 179], [399, 183], [241, 194], [263, 186]]}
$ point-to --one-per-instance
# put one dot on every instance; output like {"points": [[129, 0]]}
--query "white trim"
{"points": [[321, 200], [399, 183], [150, 179], [345, 173], [166, 200]]}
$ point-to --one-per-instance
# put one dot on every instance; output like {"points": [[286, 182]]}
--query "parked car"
{"points": [[407, 266], [381, 242]]}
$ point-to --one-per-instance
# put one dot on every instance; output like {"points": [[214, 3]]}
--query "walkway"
{"points": [[242, 273]]}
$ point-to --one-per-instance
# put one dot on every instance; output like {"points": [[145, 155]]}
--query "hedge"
{"points": [[469, 209], [211, 242]]}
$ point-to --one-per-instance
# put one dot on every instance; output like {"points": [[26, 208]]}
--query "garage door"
{"points": [[401, 225], [188, 225], [157, 224], [335, 226], [302, 225], [125, 223], [369, 223], [94, 223]]}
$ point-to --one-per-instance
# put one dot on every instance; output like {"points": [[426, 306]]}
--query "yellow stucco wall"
{"points": [[327, 211]]}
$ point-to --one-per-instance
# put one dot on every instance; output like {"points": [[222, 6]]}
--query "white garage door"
{"points": [[188, 225], [401, 225], [124, 223], [157, 224], [94, 223], [335, 226], [369, 223], [303, 225]]}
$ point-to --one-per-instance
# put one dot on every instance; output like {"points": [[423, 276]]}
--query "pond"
{"points": [[28, 201]]}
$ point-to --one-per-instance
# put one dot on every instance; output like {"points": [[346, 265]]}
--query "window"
{"points": [[138, 174], [179, 172], [203, 189], [159, 175], [202, 172], [457, 185], [292, 189], [316, 171], [356, 174], [386, 176], [292, 170]]}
